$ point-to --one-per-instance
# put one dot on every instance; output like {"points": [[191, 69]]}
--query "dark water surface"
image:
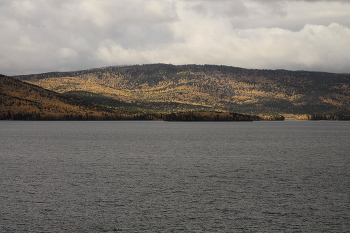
{"points": [[291, 176]]}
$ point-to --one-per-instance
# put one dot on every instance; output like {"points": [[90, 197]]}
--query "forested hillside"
{"points": [[23, 101], [168, 88]]}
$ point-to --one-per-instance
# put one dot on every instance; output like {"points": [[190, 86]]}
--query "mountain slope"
{"points": [[170, 88], [23, 101]]}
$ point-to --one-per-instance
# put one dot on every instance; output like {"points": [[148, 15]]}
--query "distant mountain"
{"points": [[24, 101], [169, 88]]}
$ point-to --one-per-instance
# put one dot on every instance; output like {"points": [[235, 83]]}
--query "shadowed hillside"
{"points": [[169, 88]]}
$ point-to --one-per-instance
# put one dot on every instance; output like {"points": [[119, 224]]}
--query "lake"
{"points": [[155, 176]]}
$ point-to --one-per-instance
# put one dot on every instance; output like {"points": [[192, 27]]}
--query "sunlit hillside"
{"points": [[23, 101], [170, 88]]}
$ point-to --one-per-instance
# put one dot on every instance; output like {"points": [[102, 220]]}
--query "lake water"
{"points": [[133, 176]]}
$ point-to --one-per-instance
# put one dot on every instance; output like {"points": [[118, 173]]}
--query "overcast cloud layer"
{"points": [[63, 35]]}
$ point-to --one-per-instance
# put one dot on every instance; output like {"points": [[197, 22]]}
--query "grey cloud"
{"points": [[266, 1], [277, 7], [221, 8], [42, 36], [65, 34]]}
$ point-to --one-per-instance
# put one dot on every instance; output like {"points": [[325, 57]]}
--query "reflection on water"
{"points": [[174, 176]]}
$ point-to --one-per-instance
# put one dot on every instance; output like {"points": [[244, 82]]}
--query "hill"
{"points": [[24, 101], [167, 88]]}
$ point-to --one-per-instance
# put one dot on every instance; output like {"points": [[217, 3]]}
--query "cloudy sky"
{"points": [[63, 35]]}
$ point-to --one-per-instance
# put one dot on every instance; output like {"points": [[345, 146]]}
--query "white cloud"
{"points": [[67, 53], [40, 36]]}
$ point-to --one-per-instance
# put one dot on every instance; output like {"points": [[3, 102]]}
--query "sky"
{"points": [[39, 36]]}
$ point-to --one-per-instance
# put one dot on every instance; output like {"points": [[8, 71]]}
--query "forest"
{"points": [[217, 116], [168, 88], [23, 101], [141, 91]]}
